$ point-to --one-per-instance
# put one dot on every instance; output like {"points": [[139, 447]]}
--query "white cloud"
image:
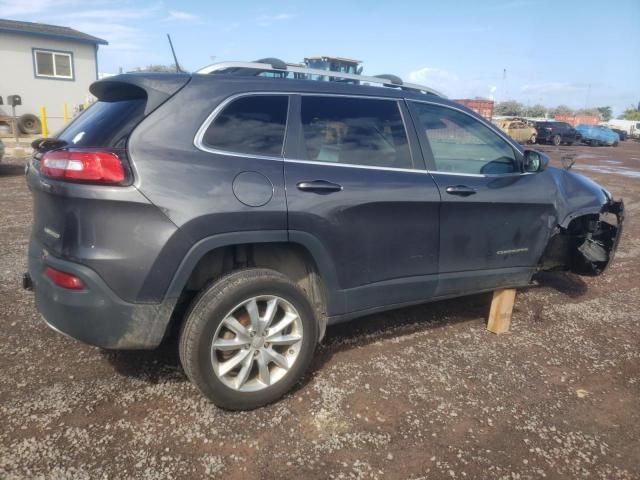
{"points": [[435, 77], [109, 15], [177, 15], [553, 87], [267, 20], [451, 84], [20, 8]]}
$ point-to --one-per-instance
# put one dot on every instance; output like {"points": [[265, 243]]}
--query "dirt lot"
{"points": [[422, 392]]}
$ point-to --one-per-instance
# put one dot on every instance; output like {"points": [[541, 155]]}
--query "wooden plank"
{"points": [[501, 308]]}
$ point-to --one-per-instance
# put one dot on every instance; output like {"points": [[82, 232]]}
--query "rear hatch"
{"points": [[67, 201]]}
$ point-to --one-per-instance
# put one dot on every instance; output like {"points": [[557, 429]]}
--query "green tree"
{"points": [[630, 114], [509, 108], [605, 113], [537, 110], [588, 111], [561, 110]]}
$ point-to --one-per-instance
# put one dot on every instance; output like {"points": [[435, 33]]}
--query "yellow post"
{"points": [[43, 122], [65, 113]]}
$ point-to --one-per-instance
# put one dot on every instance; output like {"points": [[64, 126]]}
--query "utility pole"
{"points": [[586, 103]]}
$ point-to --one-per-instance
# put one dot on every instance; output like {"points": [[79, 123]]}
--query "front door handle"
{"points": [[319, 186], [460, 190]]}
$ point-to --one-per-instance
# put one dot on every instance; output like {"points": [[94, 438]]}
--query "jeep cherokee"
{"points": [[249, 206]]}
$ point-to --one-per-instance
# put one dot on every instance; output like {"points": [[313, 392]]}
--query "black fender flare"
{"points": [[334, 298]]}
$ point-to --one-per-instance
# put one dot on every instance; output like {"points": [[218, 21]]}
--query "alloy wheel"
{"points": [[256, 343]]}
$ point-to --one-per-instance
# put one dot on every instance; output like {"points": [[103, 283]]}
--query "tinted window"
{"points": [[104, 124], [357, 131], [461, 144], [253, 125]]}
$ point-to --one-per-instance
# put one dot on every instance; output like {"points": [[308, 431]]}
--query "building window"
{"points": [[49, 64]]}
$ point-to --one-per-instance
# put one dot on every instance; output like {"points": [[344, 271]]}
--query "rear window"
{"points": [[104, 124], [251, 125]]}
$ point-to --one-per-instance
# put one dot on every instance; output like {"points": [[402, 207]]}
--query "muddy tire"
{"points": [[556, 140], [248, 338], [29, 124]]}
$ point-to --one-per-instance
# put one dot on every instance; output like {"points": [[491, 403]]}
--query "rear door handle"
{"points": [[460, 190], [319, 186]]}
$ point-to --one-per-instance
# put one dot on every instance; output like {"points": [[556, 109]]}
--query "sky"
{"points": [[578, 53]]}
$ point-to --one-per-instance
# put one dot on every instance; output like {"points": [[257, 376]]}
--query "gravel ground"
{"points": [[422, 392]]}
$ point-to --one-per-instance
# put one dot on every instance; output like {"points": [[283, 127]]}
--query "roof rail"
{"points": [[275, 65]]}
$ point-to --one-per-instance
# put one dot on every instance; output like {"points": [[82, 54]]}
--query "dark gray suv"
{"points": [[250, 205]]}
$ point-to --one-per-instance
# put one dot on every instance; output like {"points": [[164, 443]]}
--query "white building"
{"points": [[47, 65]]}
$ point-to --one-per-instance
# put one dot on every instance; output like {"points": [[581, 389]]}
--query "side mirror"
{"points": [[535, 161]]}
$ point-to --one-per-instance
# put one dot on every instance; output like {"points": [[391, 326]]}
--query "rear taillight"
{"points": [[83, 165], [64, 279]]}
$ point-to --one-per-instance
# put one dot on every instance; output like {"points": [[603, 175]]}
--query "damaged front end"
{"points": [[588, 244]]}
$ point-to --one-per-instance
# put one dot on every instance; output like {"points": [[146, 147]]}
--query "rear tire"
{"points": [[615, 144], [236, 321], [557, 140], [533, 138]]}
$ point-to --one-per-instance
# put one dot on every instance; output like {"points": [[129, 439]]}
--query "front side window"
{"points": [[462, 144], [253, 125], [356, 131], [50, 64]]}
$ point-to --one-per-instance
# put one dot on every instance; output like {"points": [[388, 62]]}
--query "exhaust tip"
{"points": [[27, 283]]}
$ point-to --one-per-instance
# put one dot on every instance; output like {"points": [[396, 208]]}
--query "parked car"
{"points": [[631, 128], [1, 150], [621, 133], [556, 133], [598, 135], [519, 131], [248, 213]]}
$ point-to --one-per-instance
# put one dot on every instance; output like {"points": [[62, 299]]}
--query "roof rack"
{"points": [[275, 65]]}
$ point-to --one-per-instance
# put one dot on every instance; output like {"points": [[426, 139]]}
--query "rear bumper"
{"points": [[95, 315]]}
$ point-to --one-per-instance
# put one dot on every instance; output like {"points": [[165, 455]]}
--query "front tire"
{"points": [[248, 338], [533, 139], [557, 140]]}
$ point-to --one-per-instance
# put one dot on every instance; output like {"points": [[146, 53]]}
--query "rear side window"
{"points": [[104, 124], [253, 125], [357, 131]]}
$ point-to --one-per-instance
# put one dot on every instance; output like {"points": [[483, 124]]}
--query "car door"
{"points": [[517, 131], [564, 130], [357, 188], [494, 220]]}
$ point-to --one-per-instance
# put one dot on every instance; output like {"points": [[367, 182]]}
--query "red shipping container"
{"points": [[574, 120], [481, 107]]}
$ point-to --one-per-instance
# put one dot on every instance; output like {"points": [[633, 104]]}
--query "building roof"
{"points": [[51, 31]]}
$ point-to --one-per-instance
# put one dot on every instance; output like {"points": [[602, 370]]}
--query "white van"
{"points": [[632, 127]]}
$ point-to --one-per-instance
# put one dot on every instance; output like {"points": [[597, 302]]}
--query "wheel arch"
{"points": [[298, 255]]}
